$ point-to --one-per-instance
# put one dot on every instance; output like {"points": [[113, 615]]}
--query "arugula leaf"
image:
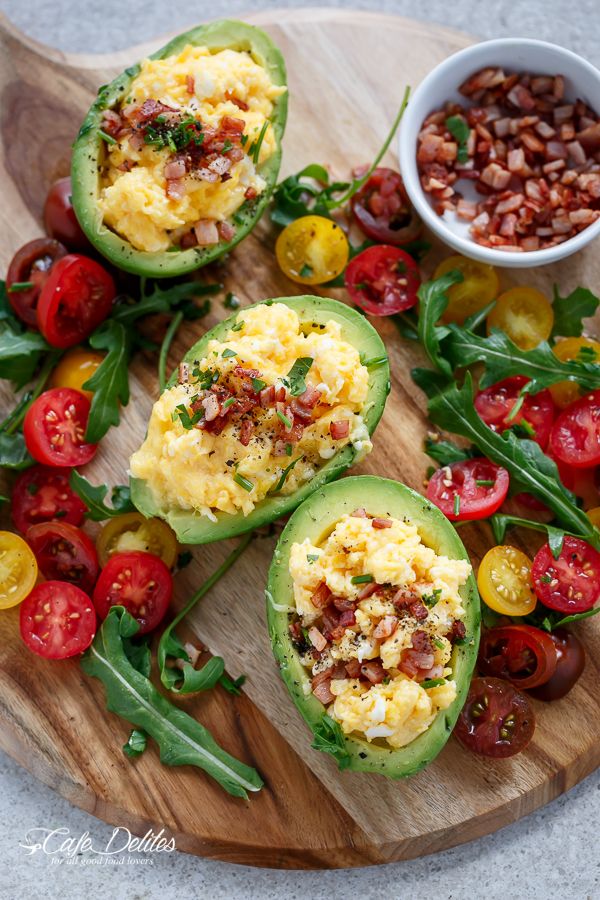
{"points": [[13, 452], [500, 522], [232, 686], [446, 452], [329, 738], [110, 381], [433, 297], [20, 352], [164, 300], [570, 311], [295, 377], [137, 651], [93, 497], [136, 743], [181, 739]]}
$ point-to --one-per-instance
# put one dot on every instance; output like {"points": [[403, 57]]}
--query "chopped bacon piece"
{"points": [[246, 432], [250, 193], [367, 591], [419, 611], [342, 603], [339, 430], [310, 397], [175, 168], [206, 232], [385, 627], [359, 513], [226, 231], [190, 84], [232, 125], [112, 123], [212, 407], [322, 691], [320, 597], [353, 668], [316, 638], [347, 618], [266, 397], [175, 188], [457, 632], [381, 523], [373, 670], [229, 95]]}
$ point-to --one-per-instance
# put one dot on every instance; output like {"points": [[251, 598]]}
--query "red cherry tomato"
{"points": [[524, 655], [571, 583], [570, 664], [495, 404], [583, 482], [140, 582], [31, 264], [470, 489], [382, 280], [43, 494], [58, 620], [497, 720], [54, 428], [76, 298], [575, 437], [60, 220], [383, 211], [64, 553]]}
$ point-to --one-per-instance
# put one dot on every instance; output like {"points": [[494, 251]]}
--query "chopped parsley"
{"points": [[361, 579], [228, 353], [227, 145], [186, 420], [258, 384], [295, 377], [312, 557], [431, 599]]}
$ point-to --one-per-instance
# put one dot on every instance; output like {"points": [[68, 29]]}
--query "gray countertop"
{"points": [[553, 852]]}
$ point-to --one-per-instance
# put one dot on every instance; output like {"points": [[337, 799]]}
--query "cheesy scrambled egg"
{"points": [[134, 203], [399, 708], [196, 470]]}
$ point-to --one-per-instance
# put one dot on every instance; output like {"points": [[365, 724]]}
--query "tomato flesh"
{"points": [[75, 368], [524, 314], [76, 298], [569, 666], [470, 489], [383, 210], [504, 581], [133, 531], [535, 416], [575, 437], [383, 280], [54, 428], [312, 250], [64, 553], [496, 720], [138, 581], [18, 569], [57, 620], [43, 494], [524, 655], [60, 220], [477, 289], [571, 583], [31, 264]]}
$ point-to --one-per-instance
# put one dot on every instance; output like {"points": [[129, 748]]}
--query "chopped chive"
{"points": [[254, 151], [227, 145], [312, 557], [431, 599], [106, 137], [432, 682], [284, 475], [361, 579], [20, 286], [283, 418], [288, 449], [485, 482], [258, 384], [228, 353], [238, 326], [438, 643], [375, 362], [456, 505], [229, 402], [243, 482]]}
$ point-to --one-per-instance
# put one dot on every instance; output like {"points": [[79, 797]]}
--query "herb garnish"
{"points": [[295, 377], [361, 579], [93, 497], [460, 131], [243, 482]]}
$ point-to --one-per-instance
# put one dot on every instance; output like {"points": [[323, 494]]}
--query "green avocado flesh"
{"points": [[194, 528], [89, 150], [315, 519]]}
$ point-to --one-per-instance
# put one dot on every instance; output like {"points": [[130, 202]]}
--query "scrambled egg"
{"points": [[134, 203], [399, 708], [195, 469]]}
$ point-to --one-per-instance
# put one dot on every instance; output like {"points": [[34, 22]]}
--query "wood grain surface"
{"points": [[347, 72]]}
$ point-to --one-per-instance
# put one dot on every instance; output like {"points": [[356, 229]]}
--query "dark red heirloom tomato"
{"points": [[522, 654], [60, 220], [575, 437], [382, 280], [54, 428], [383, 210], [64, 553], [496, 403], [570, 664], [31, 265], [571, 583], [57, 620], [43, 494], [497, 720], [140, 582], [469, 489], [76, 298]]}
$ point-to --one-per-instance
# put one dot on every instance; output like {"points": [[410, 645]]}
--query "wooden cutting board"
{"points": [[347, 72]]}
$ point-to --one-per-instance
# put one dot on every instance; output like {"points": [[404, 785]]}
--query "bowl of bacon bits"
{"points": [[500, 152]]}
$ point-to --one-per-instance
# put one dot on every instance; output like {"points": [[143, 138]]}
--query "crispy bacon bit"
{"points": [[419, 611], [320, 597], [212, 407], [175, 168], [339, 430], [359, 513], [322, 691], [112, 123], [353, 668], [316, 638], [385, 627], [373, 670], [266, 397], [175, 189], [310, 397], [367, 591], [381, 523], [458, 631], [190, 84], [229, 95], [206, 232], [250, 193], [231, 125], [342, 604], [246, 432], [226, 231], [347, 618]]}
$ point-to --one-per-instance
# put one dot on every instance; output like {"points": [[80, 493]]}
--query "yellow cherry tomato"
{"points": [[18, 569], [132, 531], [312, 250], [594, 516], [566, 392], [479, 287], [504, 581], [524, 314], [75, 368]]}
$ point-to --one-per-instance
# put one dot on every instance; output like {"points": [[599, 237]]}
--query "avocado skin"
{"points": [[314, 519], [220, 35], [192, 528]]}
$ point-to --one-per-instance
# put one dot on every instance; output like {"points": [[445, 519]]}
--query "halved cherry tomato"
{"points": [[43, 494], [583, 482], [54, 428], [524, 655], [138, 581], [31, 264], [312, 250], [570, 664], [504, 581], [470, 489], [575, 437], [60, 220], [18, 569], [496, 403], [133, 531], [479, 287], [571, 583], [76, 298], [524, 314], [58, 620], [383, 280], [64, 553], [75, 368], [566, 392], [497, 720], [383, 210]]}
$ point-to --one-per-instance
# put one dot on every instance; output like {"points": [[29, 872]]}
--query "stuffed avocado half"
{"points": [[178, 156], [377, 662], [265, 408]]}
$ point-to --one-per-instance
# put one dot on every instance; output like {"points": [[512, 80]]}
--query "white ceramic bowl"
{"points": [[582, 80]]}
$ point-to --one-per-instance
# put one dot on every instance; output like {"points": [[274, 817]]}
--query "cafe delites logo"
{"points": [[122, 848]]}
